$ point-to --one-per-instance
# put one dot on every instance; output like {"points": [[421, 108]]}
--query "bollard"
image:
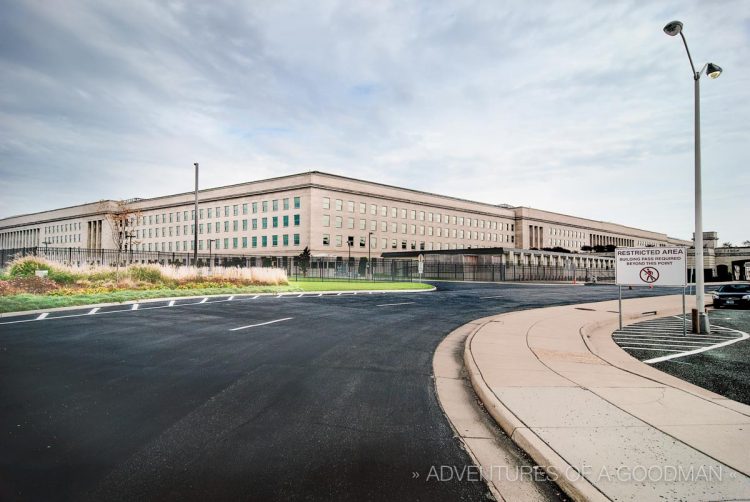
{"points": [[696, 324]]}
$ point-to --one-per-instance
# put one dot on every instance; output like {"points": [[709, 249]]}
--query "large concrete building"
{"points": [[281, 216]]}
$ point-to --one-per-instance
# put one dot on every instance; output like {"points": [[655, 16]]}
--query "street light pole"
{"points": [[672, 29], [195, 220], [369, 253]]}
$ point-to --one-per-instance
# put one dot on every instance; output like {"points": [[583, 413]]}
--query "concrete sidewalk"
{"points": [[604, 425]]}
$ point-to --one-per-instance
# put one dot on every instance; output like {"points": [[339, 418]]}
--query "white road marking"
{"points": [[339, 294], [254, 297], [488, 297], [261, 324], [93, 311], [134, 307], [392, 304], [171, 303], [230, 298], [42, 316], [203, 300], [673, 345], [654, 350], [301, 295], [744, 336]]}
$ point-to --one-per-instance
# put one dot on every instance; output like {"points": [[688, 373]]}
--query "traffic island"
{"points": [[603, 425]]}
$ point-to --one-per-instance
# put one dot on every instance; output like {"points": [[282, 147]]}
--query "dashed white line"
{"points": [[230, 298], [42, 316], [93, 311], [203, 300], [261, 324], [393, 304], [134, 307], [171, 303]]}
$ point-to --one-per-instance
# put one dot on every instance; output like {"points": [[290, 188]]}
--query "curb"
{"points": [[238, 295], [556, 467]]}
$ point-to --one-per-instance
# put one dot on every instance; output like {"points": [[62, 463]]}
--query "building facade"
{"points": [[332, 215]]}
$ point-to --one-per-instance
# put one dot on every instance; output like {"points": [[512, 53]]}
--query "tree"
{"points": [[304, 260], [587, 248], [121, 217], [727, 245], [746, 243]]}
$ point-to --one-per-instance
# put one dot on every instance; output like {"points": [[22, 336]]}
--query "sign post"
{"points": [[654, 266], [420, 266]]}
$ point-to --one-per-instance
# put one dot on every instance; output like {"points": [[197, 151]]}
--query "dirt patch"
{"points": [[33, 285]]}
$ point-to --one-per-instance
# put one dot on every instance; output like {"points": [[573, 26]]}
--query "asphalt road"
{"points": [[336, 402]]}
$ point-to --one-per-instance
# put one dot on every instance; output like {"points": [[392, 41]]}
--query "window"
{"points": [[275, 222], [437, 217], [429, 216], [413, 214], [403, 228], [244, 224], [264, 222], [286, 204], [285, 220], [326, 239], [275, 205], [403, 213], [264, 241], [338, 222], [234, 242], [403, 245], [274, 240], [350, 223], [339, 204], [226, 226], [285, 239], [421, 216], [383, 211], [244, 242], [326, 203], [394, 212], [373, 209], [226, 211], [264, 206], [296, 239], [413, 229], [254, 205], [244, 211], [296, 220], [362, 208], [363, 224], [255, 223], [362, 242], [235, 225], [297, 203], [373, 226], [254, 242], [350, 206], [326, 220], [226, 243], [210, 214], [217, 227]]}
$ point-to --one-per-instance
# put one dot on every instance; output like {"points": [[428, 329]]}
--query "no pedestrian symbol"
{"points": [[649, 275]]}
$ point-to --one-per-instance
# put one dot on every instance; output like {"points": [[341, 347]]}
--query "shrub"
{"points": [[145, 273], [28, 265]]}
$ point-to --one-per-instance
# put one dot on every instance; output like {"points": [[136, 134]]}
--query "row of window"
{"points": [[395, 244], [415, 215], [63, 227], [216, 212], [338, 222], [225, 243], [216, 227]]}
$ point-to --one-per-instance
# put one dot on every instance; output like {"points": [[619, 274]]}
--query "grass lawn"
{"points": [[22, 302]]}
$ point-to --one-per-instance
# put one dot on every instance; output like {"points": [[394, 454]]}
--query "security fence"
{"points": [[322, 268]]}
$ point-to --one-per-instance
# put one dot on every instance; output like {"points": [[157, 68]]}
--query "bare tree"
{"points": [[727, 245], [746, 243], [121, 217]]}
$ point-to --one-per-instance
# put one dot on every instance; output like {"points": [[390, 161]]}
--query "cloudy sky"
{"points": [[580, 107]]}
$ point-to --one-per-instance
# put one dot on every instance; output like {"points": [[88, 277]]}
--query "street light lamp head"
{"points": [[673, 29], [713, 70]]}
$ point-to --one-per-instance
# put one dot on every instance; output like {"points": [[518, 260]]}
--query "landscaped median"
{"points": [[22, 290]]}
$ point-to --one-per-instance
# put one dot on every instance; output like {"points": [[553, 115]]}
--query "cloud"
{"points": [[579, 107]]}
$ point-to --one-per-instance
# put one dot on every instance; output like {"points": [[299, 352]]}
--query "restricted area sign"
{"points": [[663, 266]]}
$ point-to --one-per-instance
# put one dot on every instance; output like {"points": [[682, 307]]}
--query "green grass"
{"points": [[23, 302]]}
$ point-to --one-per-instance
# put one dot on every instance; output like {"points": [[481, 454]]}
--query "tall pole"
{"points": [[699, 273], [369, 253], [195, 220]]}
